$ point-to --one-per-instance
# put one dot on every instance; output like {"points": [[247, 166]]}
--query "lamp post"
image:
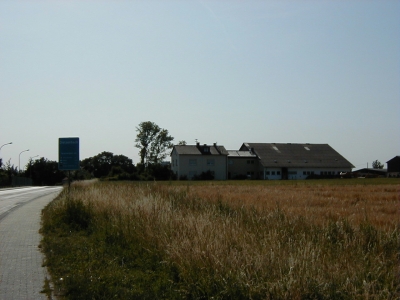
{"points": [[19, 161], [5, 144]]}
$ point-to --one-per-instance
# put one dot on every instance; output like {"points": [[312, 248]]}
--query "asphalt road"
{"points": [[21, 273]]}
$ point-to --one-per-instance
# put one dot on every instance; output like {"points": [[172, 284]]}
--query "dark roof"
{"points": [[396, 158], [199, 150], [297, 155], [246, 154], [372, 171]]}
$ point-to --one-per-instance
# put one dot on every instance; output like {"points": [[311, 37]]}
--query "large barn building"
{"points": [[296, 161]]}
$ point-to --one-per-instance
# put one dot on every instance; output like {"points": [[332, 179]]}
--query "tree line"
{"points": [[153, 143]]}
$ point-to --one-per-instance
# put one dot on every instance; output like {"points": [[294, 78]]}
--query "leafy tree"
{"points": [[107, 164], [6, 172], [376, 164], [44, 172], [182, 143], [153, 143]]}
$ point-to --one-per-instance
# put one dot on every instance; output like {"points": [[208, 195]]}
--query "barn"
{"points": [[288, 161]]}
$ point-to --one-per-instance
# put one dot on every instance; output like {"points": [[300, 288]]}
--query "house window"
{"points": [[206, 150], [272, 172], [230, 161], [192, 162], [252, 162], [210, 162], [267, 173], [248, 162], [278, 173]]}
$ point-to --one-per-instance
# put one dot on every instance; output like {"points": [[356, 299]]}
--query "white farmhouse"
{"points": [[192, 160]]}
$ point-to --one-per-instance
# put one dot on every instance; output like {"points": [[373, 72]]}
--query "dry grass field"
{"points": [[230, 240], [379, 204]]}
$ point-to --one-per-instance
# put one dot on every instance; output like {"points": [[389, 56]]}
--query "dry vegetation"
{"points": [[221, 241]]}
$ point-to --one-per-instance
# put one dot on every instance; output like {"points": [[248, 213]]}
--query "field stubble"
{"points": [[230, 241]]}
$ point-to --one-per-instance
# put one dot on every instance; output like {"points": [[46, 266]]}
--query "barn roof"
{"points": [[396, 158], [297, 155]]}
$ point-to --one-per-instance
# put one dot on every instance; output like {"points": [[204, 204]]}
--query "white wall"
{"points": [[301, 173], [182, 166]]}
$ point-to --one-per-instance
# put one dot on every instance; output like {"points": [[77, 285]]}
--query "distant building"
{"points": [[259, 161], [296, 161], [190, 161], [393, 167], [370, 172], [242, 164]]}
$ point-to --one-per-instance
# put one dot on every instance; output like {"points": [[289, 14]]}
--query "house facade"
{"points": [[190, 161], [296, 161]]}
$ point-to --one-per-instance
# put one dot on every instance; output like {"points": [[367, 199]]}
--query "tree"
{"points": [[182, 143], [44, 172], [7, 171], [153, 143], [103, 163], [376, 164]]}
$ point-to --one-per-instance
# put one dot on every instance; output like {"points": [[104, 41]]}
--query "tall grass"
{"points": [[126, 241]]}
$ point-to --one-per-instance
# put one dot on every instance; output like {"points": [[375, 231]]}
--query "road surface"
{"points": [[21, 273]]}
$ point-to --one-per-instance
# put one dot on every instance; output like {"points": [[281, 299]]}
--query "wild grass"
{"points": [[220, 241]]}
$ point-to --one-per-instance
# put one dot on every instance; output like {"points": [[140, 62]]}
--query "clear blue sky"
{"points": [[217, 71]]}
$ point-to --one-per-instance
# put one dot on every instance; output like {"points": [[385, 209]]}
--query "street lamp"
{"points": [[19, 161], [5, 144]]}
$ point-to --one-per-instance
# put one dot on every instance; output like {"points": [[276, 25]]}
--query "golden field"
{"points": [[228, 240]]}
